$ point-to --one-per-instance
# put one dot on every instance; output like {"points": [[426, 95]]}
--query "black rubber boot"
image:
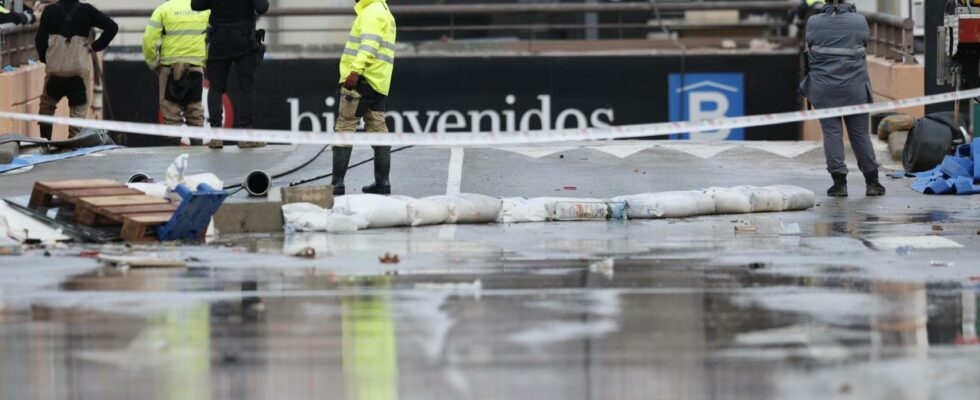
{"points": [[341, 159], [840, 185], [46, 130], [874, 187], [382, 168]]}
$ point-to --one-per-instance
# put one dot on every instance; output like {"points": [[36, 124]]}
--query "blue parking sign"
{"points": [[695, 97]]}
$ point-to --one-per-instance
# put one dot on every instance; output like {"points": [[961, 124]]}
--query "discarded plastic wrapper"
{"points": [[175, 176]]}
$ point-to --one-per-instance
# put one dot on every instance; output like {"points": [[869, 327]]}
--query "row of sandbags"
{"points": [[355, 212]]}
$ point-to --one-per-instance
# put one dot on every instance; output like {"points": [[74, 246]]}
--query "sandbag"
{"points": [[469, 208], [423, 212], [519, 210], [705, 203], [895, 123], [308, 217], [379, 211], [762, 199], [729, 201], [795, 198], [668, 205]]}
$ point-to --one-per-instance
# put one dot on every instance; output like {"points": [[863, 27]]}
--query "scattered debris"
{"points": [[790, 229], [935, 263], [570, 188], [937, 228], [845, 388], [306, 252], [757, 265], [389, 258], [604, 267], [142, 261], [746, 229], [9, 248]]}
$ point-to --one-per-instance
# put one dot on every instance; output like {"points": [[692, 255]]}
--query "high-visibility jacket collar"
{"points": [[364, 4], [4, 10], [812, 3]]}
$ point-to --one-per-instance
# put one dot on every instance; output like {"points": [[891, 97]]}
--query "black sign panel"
{"points": [[463, 94]]}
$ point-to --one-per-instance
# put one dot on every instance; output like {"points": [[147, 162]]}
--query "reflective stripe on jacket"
{"points": [[176, 34], [370, 49]]}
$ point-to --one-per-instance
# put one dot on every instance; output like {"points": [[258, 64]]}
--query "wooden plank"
{"points": [[149, 219], [40, 198], [120, 201], [97, 192], [135, 227], [79, 183], [143, 261], [152, 208]]}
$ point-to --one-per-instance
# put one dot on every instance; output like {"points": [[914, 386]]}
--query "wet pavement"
{"points": [[667, 309]]}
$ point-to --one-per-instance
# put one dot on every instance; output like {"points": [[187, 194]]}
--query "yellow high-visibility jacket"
{"points": [[812, 3], [183, 32], [370, 49]]}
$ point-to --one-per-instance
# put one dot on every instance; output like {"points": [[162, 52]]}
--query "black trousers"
{"points": [[217, 73]]}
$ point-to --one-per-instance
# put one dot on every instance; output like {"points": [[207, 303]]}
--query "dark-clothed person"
{"points": [[62, 43], [16, 18], [232, 42], [838, 76]]}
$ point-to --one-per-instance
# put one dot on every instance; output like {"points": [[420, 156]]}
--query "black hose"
{"points": [[275, 173], [316, 178]]}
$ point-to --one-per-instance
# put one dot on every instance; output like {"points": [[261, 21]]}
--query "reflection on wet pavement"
{"points": [[685, 309]]}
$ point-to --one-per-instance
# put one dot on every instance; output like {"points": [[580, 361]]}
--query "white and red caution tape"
{"points": [[493, 138]]}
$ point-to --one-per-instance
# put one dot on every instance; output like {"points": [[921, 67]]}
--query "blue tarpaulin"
{"points": [[958, 174], [24, 161]]}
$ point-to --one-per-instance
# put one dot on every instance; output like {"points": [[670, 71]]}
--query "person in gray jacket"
{"points": [[838, 76]]}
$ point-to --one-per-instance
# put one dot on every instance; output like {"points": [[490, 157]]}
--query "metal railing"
{"points": [[487, 9], [892, 37], [17, 44], [529, 20]]}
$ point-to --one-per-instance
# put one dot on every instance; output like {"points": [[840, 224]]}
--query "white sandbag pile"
{"points": [[307, 217], [469, 208], [668, 204], [354, 212], [379, 211]]}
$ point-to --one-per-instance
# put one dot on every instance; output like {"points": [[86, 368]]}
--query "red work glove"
{"points": [[352, 79]]}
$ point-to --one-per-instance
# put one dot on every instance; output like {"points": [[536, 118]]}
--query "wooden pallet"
{"points": [[50, 193], [106, 203]]}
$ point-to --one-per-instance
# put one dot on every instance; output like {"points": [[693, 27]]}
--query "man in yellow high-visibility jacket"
{"points": [[365, 77], [174, 47]]}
